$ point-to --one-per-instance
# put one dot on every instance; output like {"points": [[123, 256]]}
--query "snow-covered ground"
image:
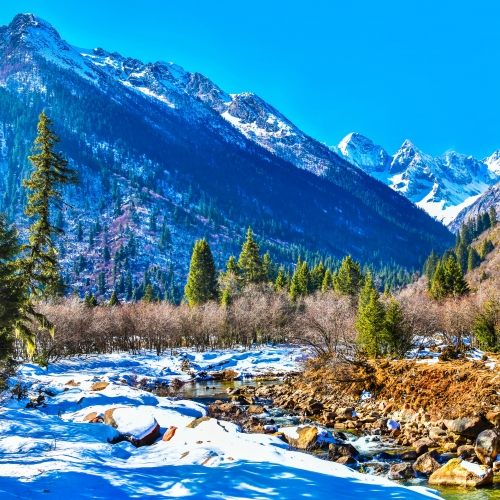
{"points": [[49, 452]]}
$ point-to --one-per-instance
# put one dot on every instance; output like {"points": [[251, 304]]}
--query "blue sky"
{"points": [[391, 70]]}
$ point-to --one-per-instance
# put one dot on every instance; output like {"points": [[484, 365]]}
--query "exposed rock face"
{"points": [[469, 427], [255, 410], [487, 446], [466, 451], [401, 471], [197, 422], [169, 434], [458, 472], [427, 463]]}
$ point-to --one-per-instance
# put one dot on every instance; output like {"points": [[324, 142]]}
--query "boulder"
{"points": [[307, 440], [466, 451], [437, 434], [450, 447], [409, 455], [494, 418], [136, 425], [401, 471], [487, 446], [468, 426], [72, 383], [427, 463], [99, 386], [338, 450], [346, 461], [255, 410], [458, 472], [169, 434], [91, 416], [345, 413]]}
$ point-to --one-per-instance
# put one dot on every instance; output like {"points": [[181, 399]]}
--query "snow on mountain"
{"points": [[442, 186]]}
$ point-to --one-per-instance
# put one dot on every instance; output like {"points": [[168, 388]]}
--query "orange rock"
{"points": [[169, 434]]}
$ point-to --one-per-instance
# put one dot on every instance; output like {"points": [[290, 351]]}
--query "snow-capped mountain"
{"points": [[159, 147], [442, 185]]}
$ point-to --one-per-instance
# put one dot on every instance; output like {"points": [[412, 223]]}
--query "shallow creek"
{"points": [[208, 391]]}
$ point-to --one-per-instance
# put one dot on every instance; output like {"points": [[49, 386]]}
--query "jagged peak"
{"points": [[21, 23]]}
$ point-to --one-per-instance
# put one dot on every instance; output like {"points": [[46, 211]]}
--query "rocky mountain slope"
{"points": [[442, 186], [165, 157]]}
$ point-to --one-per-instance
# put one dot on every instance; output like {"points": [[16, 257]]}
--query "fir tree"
{"points": [[232, 266], [485, 248], [349, 278], [301, 281], [101, 283], [79, 231], [14, 305], [395, 329], [267, 268], [370, 324], [226, 297], [438, 289], [113, 300], [280, 283], [148, 296], [493, 216], [327, 281], [40, 264], [250, 262], [317, 276], [454, 278], [105, 253], [202, 284], [474, 260], [462, 257], [486, 326]]}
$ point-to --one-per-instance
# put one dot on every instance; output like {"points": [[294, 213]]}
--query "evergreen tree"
{"points": [[454, 278], [474, 260], [462, 257], [101, 283], [280, 283], [113, 300], [105, 253], [395, 329], [493, 216], [438, 289], [317, 276], [40, 264], [232, 266], [327, 281], [14, 305], [268, 268], [301, 281], [79, 231], [349, 278], [485, 248], [370, 324], [202, 284], [366, 291], [486, 326], [148, 296], [250, 262], [226, 297]]}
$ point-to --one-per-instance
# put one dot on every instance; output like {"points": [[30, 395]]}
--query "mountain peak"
{"points": [[363, 153]]}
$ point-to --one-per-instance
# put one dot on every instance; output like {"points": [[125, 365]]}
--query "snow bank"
{"points": [[51, 452]]}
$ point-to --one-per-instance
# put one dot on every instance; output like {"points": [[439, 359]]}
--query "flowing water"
{"points": [[208, 391]]}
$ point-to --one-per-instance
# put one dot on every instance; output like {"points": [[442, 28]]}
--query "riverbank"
{"points": [[51, 448]]}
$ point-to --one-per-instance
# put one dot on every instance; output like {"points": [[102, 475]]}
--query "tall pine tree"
{"points": [[40, 264], [250, 262], [202, 284]]}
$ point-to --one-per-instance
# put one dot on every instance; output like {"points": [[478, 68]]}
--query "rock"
{"points": [[468, 426], [197, 422], [450, 447], [345, 413], [466, 451], [307, 440], [169, 434], [99, 386], [424, 441], [421, 449], [494, 418], [215, 410], [255, 410], [427, 463], [487, 446], [437, 434], [91, 416], [401, 471], [409, 455], [346, 461], [136, 425], [458, 472], [72, 383], [336, 451], [383, 456]]}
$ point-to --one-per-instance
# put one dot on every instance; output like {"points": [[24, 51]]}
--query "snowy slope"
{"points": [[442, 186], [51, 452]]}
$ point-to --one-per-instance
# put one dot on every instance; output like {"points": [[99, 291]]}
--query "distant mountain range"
{"points": [[443, 186], [165, 155]]}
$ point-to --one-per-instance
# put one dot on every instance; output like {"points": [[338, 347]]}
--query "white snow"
{"points": [[51, 452], [474, 468]]}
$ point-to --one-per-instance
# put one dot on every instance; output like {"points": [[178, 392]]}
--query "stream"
{"points": [[208, 391]]}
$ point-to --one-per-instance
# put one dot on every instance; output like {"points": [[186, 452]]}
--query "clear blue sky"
{"points": [[424, 70]]}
